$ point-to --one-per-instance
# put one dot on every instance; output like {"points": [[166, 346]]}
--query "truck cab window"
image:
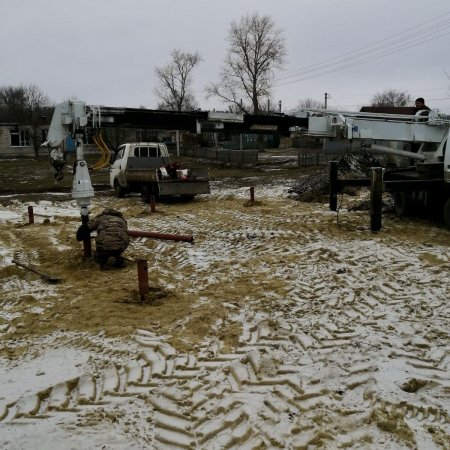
{"points": [[120, 153], [146, 152], [141, 152]]}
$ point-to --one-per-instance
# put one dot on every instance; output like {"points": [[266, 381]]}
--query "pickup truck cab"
{"points": [[146, 167]]}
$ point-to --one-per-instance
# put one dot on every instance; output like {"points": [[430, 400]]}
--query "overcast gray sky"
{"points": [[104, 52]]}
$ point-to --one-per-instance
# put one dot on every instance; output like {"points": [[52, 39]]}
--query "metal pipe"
{"points": [[375, 148], [166, 236], [87, 245], [152, 204]]}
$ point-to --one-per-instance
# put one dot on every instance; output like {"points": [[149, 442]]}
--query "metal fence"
{"points": [[239, 157], [249, 157], [314, 159]]}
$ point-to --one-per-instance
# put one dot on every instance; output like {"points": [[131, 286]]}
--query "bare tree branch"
{"points": [[310, 103], [391, 97], [175, 81], [256, 50]]}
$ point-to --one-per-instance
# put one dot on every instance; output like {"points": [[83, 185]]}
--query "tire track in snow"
{"points": [[325, 367]]}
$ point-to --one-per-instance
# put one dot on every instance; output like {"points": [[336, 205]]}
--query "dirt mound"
{"points": [[315, 187], [312, 188]]}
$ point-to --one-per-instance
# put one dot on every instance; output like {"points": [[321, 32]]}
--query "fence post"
{"points": [[376, 192], [333, 185], [30, 214]]}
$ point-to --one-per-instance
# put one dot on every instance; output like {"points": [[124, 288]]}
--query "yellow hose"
{"points": [[105, 153]]}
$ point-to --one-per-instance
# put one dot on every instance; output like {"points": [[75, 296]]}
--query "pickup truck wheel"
{"points": [[118, 189], [447, 213]]}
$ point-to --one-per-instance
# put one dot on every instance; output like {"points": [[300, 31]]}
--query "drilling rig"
{"points": [[417, 148]]}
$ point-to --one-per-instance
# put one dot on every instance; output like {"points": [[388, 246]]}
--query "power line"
{"points": [[362, 61], [412, 39], [366, 59], [364, 48]]}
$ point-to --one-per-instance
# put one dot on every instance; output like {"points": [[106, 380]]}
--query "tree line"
{"points": [[256, 51], [26, 104]]}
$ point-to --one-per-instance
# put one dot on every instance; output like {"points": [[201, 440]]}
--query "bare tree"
{"points": [[12, 101], [27, 105], [256, 50], [392, 97], [310, 103], [175, 82]]}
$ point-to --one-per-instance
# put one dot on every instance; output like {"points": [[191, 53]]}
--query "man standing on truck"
{"points": [[112, 237], [420, 106]]}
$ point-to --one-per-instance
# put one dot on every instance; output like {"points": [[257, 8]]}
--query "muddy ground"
{"points": [[36, 185], [284, 325]]}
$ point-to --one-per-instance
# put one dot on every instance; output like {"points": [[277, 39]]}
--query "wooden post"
{"points": [[252, 195], [333, 185], [30, 214], [376, 191], [142, 270]]}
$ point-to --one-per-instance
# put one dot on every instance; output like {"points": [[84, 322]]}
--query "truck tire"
{"points": [[447, 213], [402, 204], [119, 190]]}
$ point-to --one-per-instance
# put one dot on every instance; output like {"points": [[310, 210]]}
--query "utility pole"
{"points": [[279, 106], [326, 98], [240, 136]]}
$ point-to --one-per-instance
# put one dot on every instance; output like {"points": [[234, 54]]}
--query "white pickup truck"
{"points": [[145, 167]]}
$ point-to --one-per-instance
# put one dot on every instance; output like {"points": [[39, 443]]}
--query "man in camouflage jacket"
{"points": [[112, 237]]}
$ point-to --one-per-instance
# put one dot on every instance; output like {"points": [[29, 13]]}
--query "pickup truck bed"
{"points": [[197, 182], [146, 168]]}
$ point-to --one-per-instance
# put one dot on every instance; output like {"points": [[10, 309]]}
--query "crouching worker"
{"points": [[112, 237]]}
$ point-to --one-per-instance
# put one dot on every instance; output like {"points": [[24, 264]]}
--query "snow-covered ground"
{"points": [[282, 326]]}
